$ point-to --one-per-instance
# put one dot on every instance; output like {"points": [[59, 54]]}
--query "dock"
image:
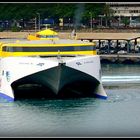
{"points": [[118, 58], [117, 50], [130, 43]]}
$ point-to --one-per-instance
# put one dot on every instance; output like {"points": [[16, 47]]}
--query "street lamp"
{"points": [[69, 22], [119, 19], [35, 24], [38, 21], [101, 20], [91, 20]]}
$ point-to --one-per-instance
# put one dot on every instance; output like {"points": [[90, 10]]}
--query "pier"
{"points": [[118, 58], [117, 50], [117, 44]]}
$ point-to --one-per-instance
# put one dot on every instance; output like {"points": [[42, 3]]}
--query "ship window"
{"points": [[47, 36], [48, 49]]}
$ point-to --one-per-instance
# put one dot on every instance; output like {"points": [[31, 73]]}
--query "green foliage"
{"points": [[15, 29], [60, 10], [1, 29], [126, 21]]}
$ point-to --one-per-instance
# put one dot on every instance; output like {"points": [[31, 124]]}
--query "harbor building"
{"points": [[128, 10]]}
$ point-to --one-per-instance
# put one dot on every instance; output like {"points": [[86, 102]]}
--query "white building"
{"points": [[130, 10]]}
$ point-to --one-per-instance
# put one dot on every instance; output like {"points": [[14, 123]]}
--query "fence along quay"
{"points": [[117, 50]]}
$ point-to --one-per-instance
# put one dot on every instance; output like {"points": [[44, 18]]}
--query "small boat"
{"points": [[58, 68]]}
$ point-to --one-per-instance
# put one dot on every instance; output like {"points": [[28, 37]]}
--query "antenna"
{"points": [[59, 57]]}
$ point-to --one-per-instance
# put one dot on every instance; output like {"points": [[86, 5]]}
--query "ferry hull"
{"points": [[61, 81], [74, 77]]}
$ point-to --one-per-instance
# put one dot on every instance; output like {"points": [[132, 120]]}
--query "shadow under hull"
{"points": [[57, 82]]}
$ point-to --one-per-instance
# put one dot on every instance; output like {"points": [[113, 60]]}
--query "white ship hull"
{"points": [[59, 76]]}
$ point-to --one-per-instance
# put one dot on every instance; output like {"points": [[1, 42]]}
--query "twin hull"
{"points": [[59, 76]]}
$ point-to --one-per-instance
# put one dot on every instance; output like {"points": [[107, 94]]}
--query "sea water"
{"points": [[118, 116]]}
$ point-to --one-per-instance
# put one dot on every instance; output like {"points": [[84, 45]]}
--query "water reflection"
{"points": [[45, 117], [121, 82], [116, 116], [122, 78]]}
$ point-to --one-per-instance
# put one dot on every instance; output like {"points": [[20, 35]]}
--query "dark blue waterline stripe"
{"points": [[8, 98], [100, 96]]}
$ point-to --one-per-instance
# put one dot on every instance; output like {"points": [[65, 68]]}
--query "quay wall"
{"points": [[122, 59], [66, 35]]}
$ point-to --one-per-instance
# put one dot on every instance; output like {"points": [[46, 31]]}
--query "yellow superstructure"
{"points": [[46, 43], [47, 48], [44, 35]]}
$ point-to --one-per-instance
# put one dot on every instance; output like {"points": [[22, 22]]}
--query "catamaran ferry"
{"points": [[54, 68]]}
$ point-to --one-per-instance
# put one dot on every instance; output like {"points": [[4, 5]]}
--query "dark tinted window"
{"points": [[47, 49]]}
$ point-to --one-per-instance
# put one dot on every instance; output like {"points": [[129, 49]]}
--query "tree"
{"points": [[126, 21], [108, 13], [27, 11]]}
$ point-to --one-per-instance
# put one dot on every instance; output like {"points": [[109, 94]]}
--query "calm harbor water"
{"points": [[118, 116]]}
